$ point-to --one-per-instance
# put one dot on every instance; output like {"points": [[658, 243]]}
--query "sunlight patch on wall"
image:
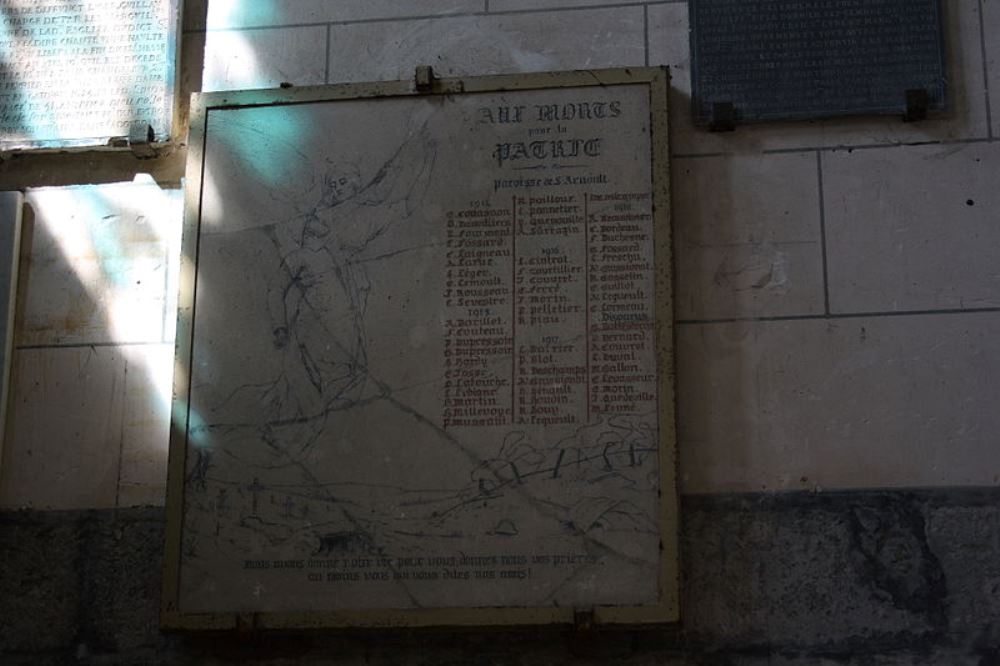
{"points": [[238, 139], [104, 269], [90, 418]]}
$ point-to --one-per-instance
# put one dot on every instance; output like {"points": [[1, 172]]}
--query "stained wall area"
{"points": [[837, 314]]}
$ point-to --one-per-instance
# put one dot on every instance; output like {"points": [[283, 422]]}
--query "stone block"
{"points": [[99, 264], [265, 58], [776, 571], [191, 71], [495, 44], [39, 584], [89, 427], [747, 236], [517, 5], [991, 33], [966, 118], [229, 14], [120, 561], [912, 228], [80, 586], [146, 425], [859, 402]]}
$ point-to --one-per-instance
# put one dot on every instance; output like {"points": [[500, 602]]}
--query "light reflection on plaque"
{"points": [[81, 72]]}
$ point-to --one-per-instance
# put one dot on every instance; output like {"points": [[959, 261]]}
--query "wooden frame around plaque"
{"points": [[424, 363]]}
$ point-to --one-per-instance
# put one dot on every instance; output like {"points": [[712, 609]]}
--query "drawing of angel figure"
{"points": [[318, 296]]}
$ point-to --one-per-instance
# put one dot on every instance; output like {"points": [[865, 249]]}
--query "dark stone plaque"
{"points": [[756, 60]]}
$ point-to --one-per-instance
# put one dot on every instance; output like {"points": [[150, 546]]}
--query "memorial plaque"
{"points": [[81, 72], [424, 356], [755, 60]]}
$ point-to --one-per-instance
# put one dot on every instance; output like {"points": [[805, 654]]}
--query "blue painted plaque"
{"points": [[758, 60]]}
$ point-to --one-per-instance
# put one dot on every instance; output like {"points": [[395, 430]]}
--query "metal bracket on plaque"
{"points": [[917, 103], [424, 78], [723, 117], [140, 140]]}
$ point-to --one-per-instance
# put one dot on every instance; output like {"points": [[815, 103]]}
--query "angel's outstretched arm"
{"points": [[396, 192]]}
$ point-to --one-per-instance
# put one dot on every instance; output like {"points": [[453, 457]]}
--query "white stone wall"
{"points": [[93, 348], [838, 282]]}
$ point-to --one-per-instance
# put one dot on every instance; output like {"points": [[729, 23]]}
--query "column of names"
{"points": [[550, 309]]}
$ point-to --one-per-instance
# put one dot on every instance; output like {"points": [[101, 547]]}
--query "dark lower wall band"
{"points": [[886, 577]]}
